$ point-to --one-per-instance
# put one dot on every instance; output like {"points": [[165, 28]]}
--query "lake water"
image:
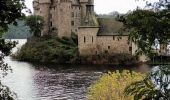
{"points": [[55, 82]]}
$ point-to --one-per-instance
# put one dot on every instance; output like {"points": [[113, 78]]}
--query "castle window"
{"points": [[84, 39], [72, 14], [92, 39], [72, 23], [128, 42], [51, 24], [113, 37], [108, 47], [130, 48], [106, 51]]}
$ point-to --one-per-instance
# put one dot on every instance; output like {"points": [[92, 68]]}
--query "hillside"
{"points": [[17, 32]]}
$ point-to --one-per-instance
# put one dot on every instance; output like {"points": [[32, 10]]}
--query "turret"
{"points": [[44, 9], [87, 7], [83, 4], [36, 7], [64, 18]]}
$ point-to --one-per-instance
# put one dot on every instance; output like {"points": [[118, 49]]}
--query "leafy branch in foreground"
{"points": [[10, 11], [111, 86], [153, 87], [36, 24], [146, 26]]}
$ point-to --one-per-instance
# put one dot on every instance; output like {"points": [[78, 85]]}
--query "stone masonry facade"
{"points": [[63, 15], [91, 44], [68, 16]]}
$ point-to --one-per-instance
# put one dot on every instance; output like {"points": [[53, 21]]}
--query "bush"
{"points": [[35, 23], [114, 59], [48, 50], [154, 87], [111, 86]]}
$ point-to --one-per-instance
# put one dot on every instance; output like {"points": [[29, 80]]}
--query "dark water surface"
{"points": [[54, 82]]}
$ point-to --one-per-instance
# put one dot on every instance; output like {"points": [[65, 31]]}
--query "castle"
{"points": [[95, 35], [64, 15]]}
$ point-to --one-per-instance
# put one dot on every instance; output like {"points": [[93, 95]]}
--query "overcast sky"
{"points": [[107, 6]]}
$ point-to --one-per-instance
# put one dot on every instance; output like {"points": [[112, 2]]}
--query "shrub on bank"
{"points": [[117, 59], [111, 86], [49, 50]]}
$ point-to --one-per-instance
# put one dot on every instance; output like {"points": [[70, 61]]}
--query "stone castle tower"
{"points": [[63, 15]]}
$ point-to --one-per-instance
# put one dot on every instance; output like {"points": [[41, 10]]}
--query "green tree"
{"points": [[154, 87], [10, 11], [145, 26], [36, 24]]}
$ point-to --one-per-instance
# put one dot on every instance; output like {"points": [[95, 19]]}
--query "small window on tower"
{"points": [[72, 23], [128, 42], [51, 24], [108, 47], [92, 39], [113, 37], [84, 39], [130, 48]]}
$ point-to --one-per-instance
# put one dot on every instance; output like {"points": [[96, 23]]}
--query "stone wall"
{"points": [[54, 20], [112, 45], [44, 11], [36, 7], [64, 25], [76, 18], [87, 40], [63, 15], [91, 44]]}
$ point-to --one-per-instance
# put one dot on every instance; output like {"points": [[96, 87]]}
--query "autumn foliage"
{"points": [[111, 86]]}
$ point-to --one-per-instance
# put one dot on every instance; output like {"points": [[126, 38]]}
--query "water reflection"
{"points": [[46, 82], [37, 82]]}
